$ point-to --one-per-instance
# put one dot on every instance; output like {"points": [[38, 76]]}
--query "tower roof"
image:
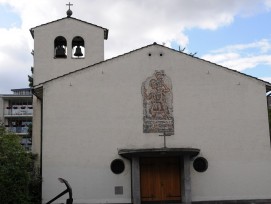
{"points": [[62, 19]]}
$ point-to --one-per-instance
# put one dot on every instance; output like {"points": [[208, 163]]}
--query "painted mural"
{"points": [[157, 104]]}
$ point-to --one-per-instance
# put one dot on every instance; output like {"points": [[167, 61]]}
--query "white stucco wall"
{"points": [[91, 114], [46, 66], [36, 127]]}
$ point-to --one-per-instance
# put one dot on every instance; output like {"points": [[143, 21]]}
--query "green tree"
{"points": [[17, 172], [30, 78]]}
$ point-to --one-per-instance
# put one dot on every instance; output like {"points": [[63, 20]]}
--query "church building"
{"points": [[153, 125]]}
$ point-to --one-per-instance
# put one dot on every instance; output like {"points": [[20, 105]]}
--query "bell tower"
{"points": [[66, 45]]}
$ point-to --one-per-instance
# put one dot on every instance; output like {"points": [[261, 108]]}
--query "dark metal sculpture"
{"points": [[68, 190], [69, 12]]}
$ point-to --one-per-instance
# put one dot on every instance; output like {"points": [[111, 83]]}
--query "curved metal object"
{"points": [[68, 190]]}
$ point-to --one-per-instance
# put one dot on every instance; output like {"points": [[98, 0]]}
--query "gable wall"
{"points": [[91, 114]]}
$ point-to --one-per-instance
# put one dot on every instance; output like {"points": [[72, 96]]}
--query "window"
{"points": [[78, 47], [200, 164], [60, 47], [117, 166]]}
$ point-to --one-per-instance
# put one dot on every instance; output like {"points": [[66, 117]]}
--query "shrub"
{"points": [[18, 176]]}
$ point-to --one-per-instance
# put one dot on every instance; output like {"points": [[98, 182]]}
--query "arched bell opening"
{"points": [[78, 47], [60, 46]]}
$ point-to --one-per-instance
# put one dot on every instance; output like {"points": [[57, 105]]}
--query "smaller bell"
{"points": [[78, 52], [60, 52]]}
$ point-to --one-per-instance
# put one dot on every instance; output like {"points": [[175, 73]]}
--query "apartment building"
{"points": [[16, 113]]}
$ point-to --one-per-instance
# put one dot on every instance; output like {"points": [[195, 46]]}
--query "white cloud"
{"points": [[15, 59], [219, 58], [268, 4], [131, 24], [262, 45], [242, 56], [268, 79]]}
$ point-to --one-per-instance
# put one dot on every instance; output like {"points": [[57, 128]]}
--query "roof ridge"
{"points": [[92, 65], [156, 44], [227, 68]]}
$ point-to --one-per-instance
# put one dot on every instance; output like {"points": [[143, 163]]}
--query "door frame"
{"points": [[166, 170], [184, 154]]}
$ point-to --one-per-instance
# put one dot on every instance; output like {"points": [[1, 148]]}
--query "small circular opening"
{"points": [[117, 166], [200, 164]]}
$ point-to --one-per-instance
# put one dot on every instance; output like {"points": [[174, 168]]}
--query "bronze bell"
{"points": [[78, 52], [60, 52]]}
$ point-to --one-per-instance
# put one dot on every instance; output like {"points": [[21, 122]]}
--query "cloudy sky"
{"points": [[233, 33]]}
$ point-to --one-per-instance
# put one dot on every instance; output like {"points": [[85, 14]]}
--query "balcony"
{"points": [[18, 130], [18, 111]]}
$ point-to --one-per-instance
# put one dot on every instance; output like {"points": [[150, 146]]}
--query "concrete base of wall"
{"points": [[256, 201]]}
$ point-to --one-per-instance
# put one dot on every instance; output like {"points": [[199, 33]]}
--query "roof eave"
{"points": [[13, 96], [32, 32], [38, 91], [106, 31]]}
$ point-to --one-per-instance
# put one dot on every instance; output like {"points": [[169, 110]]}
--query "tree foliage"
{"points": [[18, 178]]}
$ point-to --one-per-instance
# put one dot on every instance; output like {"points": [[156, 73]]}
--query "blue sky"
{"points": [[8, 18], [243, 30], [232, 33]]}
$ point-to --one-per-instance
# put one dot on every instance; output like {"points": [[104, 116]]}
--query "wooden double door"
{"points": [[160, 179]]}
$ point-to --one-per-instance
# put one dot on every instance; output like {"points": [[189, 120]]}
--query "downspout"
{"points": [[41, 146], [267, 96], [41, 138]]}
